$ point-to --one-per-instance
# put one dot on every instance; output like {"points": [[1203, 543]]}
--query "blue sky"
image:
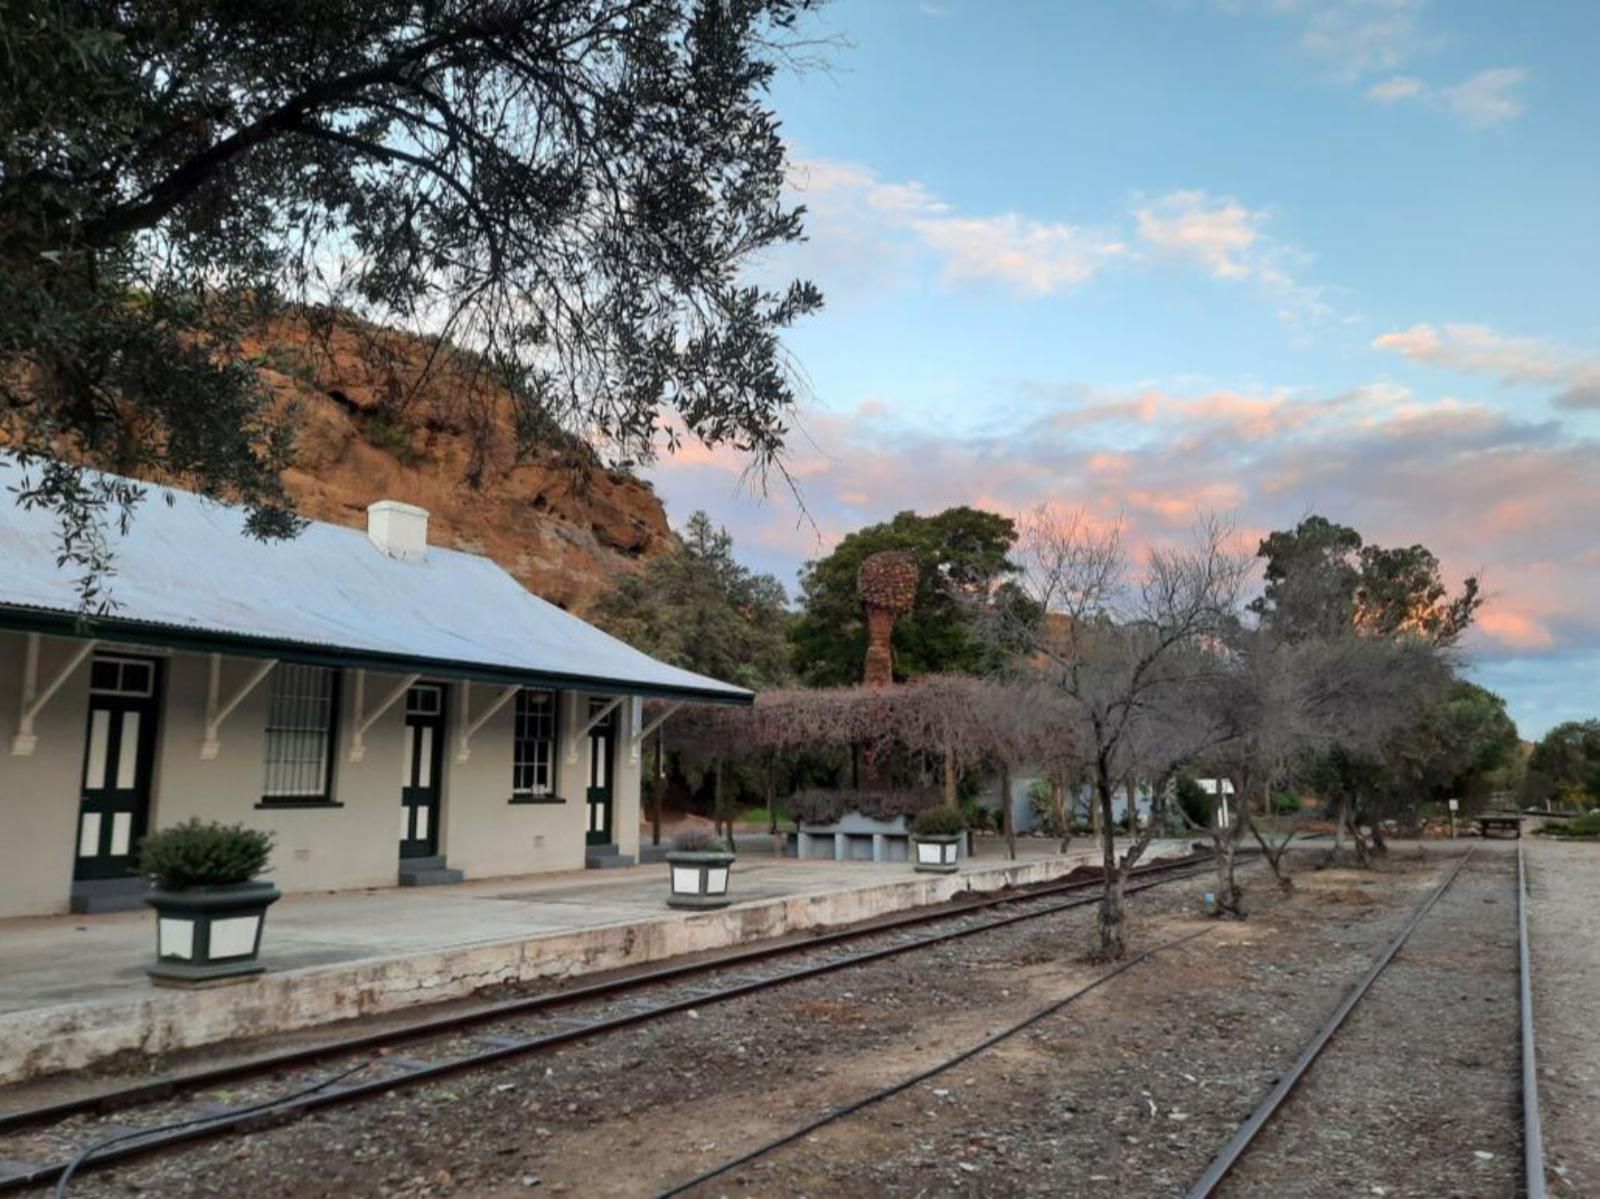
{"points": [[1263, 256]]}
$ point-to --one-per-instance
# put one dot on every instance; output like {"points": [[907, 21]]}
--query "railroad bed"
{"points": [[1361, 1098], [41, 1145]]}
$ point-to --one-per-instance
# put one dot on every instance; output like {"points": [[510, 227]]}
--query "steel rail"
{"points": [[1230, 1153], [136, 1144], [165, 1088], [1532, 1134]]}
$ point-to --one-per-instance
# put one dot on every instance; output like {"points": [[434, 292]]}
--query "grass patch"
{"points": [[758, 815]]}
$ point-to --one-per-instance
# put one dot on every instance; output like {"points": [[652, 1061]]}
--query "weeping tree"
{"points": [[1131, 653], [571, 190], [1001, 722]]}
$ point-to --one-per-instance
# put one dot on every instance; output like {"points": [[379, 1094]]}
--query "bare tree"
{"points": [[1131, 654]]}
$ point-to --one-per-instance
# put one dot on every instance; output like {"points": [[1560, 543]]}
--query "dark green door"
{"points": [[118, 759], [419, 791], [598, 792]]}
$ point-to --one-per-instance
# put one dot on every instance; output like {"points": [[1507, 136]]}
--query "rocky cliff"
{"points": [[386, 416]]}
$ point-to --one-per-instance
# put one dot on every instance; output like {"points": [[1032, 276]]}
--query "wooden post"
{"points": [[657, 794], [951, 796], [772, 816], [1006, 816]]}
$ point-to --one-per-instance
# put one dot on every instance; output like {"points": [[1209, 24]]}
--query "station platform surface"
{"points": [[73, 989]]}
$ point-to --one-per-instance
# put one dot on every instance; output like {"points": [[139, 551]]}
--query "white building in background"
{"points": [[1222, 789], [392, 712]]}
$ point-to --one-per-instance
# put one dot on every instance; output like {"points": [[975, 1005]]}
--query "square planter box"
{"points": [[209, 934], [936, 855], [699, 880]]}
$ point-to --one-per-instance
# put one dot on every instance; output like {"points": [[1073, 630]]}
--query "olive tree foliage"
{"points": [[572, 190], [1324, 582], [1289, 705], [698, 607], [1565, 766], [1132, 651]]}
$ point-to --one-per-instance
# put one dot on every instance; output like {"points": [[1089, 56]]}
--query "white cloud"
{"points": [[1486, 98], [1227, 240], [1028, 255], [1400, 87], [1362, 37], [1357, 40], [1479, 350], [1021, 253]]}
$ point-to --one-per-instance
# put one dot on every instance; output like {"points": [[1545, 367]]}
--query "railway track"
{"points": [[93, 1132], [1230, 1155], [1222, 1166]]}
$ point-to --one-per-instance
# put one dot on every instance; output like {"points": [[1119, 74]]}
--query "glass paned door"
{"points": [[597, 772], [421, 764], [118, 760]]}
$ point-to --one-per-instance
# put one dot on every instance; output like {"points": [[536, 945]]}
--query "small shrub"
{"points": [[976, 815], [392, 436], [1285, 804], [824, 807], [1583, 826], [200, 853], [1197, 803], [937, 822], [697, 840]]}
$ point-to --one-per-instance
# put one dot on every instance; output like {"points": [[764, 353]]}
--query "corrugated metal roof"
{"points": [[188, 569]]}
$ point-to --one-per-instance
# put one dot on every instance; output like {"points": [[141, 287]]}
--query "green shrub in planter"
{"points": [[936, 839], [938, 822], [697, 840], [203, 854], [699, 867], [209, 909]]}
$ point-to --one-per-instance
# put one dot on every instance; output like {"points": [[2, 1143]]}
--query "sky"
{"points": [[1157, 257]]}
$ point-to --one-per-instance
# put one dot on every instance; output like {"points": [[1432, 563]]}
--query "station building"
{"points": [[392, 712]]}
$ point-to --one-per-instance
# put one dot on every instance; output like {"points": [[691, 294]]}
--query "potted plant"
{"points": [[699, 866], [209, 908], [936, 839]]}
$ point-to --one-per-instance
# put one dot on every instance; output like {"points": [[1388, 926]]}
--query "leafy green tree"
{"points": [[1453, 749], [963, 558], [569, 189], [1565, 765], [1322, 578], [700, 609], [1323, 582]]}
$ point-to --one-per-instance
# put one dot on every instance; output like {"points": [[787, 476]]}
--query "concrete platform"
{"points": [[73, 989]]}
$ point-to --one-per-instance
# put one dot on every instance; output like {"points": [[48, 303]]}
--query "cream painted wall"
{"points": [[316, 849], [352, 845], [39, 793], [485, 834]]}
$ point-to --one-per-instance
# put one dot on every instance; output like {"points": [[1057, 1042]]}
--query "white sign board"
{"points": [[1455, 805]]}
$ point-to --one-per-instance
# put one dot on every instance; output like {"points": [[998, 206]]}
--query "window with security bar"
{"points": [[301, 711], [534, 762]]}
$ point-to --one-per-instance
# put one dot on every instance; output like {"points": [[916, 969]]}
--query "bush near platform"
{"points": [[825, 807], [200, 853], [697, 840], [938, 822], [1583, 827]]}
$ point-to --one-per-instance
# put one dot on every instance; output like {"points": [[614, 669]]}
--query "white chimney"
{"points": [[399, 530]]}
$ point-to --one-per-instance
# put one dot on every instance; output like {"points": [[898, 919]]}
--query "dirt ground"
{"points": [[1564, 937], [1125, 1093]]}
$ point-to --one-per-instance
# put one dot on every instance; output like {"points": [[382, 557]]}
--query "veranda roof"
{"points": [[187, 577]]}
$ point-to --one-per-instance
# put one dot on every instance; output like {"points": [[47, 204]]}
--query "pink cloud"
{"points": [[1483, 491]]}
